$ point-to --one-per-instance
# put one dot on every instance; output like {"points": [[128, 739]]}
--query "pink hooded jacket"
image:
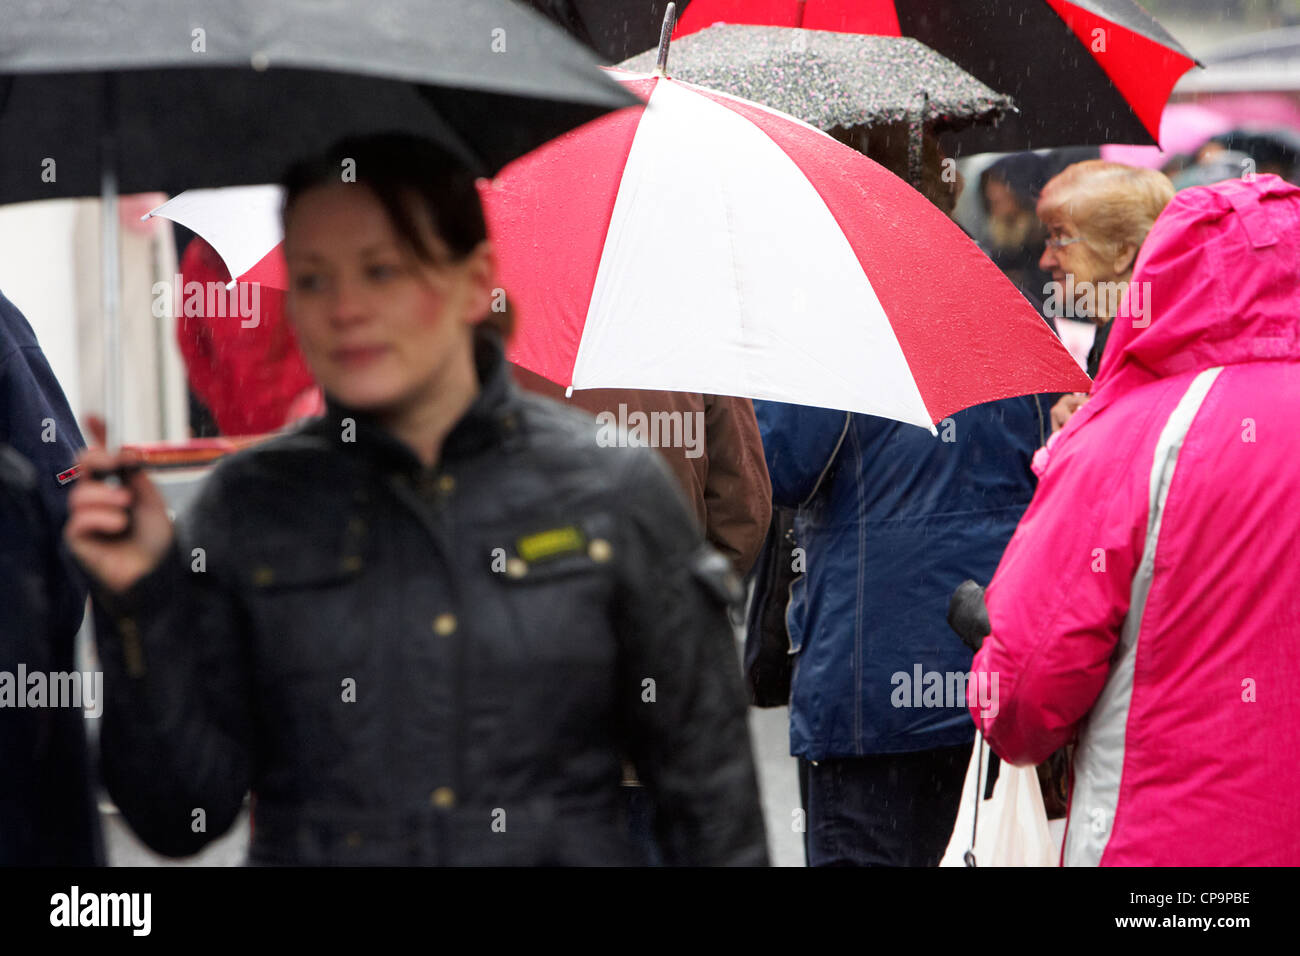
{"points": [[1149, 602]]}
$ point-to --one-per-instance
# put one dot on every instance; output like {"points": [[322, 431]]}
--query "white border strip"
{"points": [[1099, 761]]}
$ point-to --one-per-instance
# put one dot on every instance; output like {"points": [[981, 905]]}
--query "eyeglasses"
{"points": [[1055, 243]]}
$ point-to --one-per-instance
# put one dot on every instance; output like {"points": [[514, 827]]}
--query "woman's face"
{"points": [[1078, 259], [377, 326]]}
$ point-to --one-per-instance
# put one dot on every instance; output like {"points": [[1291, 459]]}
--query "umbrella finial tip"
{"points": [[568, 392], [665, 35]]}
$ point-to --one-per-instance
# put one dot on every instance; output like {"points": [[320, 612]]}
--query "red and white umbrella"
{"points": [[709, 244]]}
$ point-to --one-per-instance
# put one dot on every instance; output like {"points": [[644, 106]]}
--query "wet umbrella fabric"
{"points": [[712, 244], [1082, 72], [142, 95], [198, 94], [615, 29], [241, 223], [831, 79]]}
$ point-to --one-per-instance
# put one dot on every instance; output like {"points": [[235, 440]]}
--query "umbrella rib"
{"points": [[735, 283]]}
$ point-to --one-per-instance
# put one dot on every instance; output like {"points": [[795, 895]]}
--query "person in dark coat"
{"points": [[891, 519], [1009, 192], [716, 454], [719, 466], [47, 806], [35, 421], [427, 627]]}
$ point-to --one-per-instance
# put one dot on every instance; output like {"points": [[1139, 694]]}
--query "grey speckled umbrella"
{"points": [[832, 79]]}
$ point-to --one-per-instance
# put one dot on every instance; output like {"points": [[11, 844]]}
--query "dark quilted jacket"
{"points": [[433, 667]]}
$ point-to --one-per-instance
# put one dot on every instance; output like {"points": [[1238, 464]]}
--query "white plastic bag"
{"points": [[1011, 829]]}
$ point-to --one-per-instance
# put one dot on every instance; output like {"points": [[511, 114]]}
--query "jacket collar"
{"points": [[487, 422]]}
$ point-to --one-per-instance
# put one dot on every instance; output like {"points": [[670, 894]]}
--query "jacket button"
{"points": [[263, 575], [444, 624], [356, 527], [447, 484], [444, 798], [516, 568], [351, 563], [353, 839], [599, 550]]}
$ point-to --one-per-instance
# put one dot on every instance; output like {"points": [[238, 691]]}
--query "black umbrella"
{"points": [[831, 80], [1082, 72], [1274, 150], [615, 29], [141, 95]]}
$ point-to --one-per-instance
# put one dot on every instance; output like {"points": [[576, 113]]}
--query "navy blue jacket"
{"points": [[47, 809], [891, 520], [35, 418]]}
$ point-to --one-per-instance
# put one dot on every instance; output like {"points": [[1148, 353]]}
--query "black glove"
{"points": [[967, 614]]}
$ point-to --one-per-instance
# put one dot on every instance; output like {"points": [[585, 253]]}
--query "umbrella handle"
{"points": [[665, 34], [969, 856]]}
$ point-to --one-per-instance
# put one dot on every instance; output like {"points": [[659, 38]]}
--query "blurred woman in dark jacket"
{"points": [[427, 627]]}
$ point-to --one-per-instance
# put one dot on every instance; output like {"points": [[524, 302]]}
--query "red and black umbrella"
{"points": [[1083, 72]]}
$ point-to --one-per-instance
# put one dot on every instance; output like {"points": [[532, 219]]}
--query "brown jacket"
{"points": [[715, 451]]}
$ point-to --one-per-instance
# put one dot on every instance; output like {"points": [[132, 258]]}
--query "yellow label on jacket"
{"points": [[549, 544]]}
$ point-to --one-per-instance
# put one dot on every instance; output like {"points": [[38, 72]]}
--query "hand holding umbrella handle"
{"points": [[118, 528], [967, 614], [119, 477]]}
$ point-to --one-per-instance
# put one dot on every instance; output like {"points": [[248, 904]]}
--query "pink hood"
{"points": [[1194, 317]]}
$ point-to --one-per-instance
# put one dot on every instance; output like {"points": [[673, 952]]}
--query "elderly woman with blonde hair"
{"points": [[1097, 215]]}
